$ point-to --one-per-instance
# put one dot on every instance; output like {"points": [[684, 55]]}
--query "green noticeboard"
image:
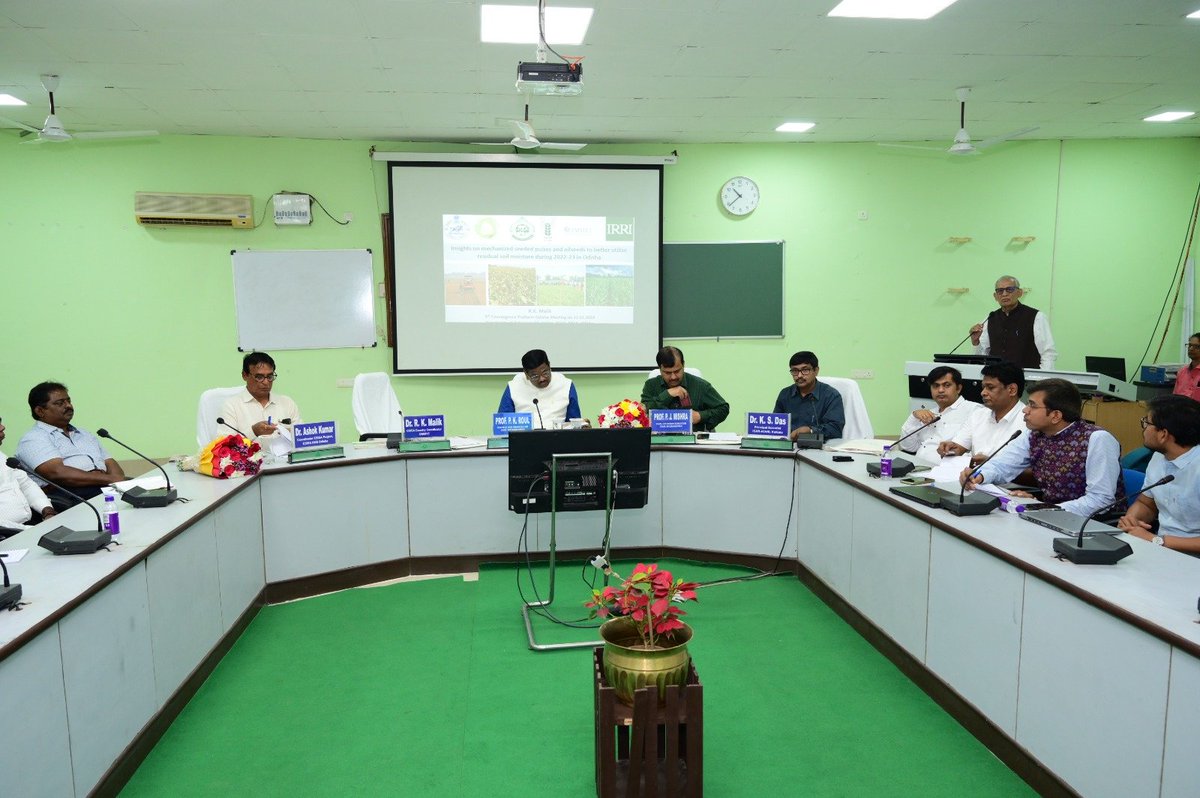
{"points": [[728, 289]]}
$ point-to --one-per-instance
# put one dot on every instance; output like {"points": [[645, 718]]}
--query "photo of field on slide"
{"points": [[560, 286], [512, 285], [466, 288], [610, 286]]}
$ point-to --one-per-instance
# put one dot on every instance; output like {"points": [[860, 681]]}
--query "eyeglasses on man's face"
{"points": [[1146, 422], [803, 371], [1007, 289], [260, 378]]}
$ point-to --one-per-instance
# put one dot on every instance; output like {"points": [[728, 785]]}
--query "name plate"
{"points": [[419, 427], [504, 423], [317, 433], [671, 421], [768, 425]]}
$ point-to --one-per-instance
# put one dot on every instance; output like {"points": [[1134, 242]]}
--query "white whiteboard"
{"points": [[304, 299]]}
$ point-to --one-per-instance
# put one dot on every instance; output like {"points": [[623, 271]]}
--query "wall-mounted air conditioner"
{"points": [[194, 210]]}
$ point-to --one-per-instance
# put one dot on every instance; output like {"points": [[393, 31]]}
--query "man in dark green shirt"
{"points": [[675, 388]]}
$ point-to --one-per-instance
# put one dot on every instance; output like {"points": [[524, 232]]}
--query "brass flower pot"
{"points": [[629, 665]]}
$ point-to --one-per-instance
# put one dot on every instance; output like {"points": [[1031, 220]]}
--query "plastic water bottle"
{"points": [[1009, 504], [885, 463], [110, 515]]}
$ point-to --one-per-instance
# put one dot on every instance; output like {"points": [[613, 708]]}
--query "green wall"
{"points": [[138, 320]]}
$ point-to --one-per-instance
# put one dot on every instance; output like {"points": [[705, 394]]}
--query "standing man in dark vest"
{"points": [[1076, 463], [1014, 332]]}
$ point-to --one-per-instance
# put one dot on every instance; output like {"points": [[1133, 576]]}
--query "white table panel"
{"points": [[1181, 765], [185, 604], [240, 566], [974, 637], [736, 503], [823, 528], [35, 759], [1093, 695], [459, 505], [889, 577], [108, 671]]}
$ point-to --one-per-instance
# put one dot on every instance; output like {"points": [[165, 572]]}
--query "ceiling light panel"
{"points": [[519, 24], [795, 127], [1170, 116], [8, 99], [889, 9]]}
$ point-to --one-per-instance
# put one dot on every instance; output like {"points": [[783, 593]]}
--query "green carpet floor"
{"points": [[428, 689]]}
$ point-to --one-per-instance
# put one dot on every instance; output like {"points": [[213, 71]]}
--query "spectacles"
{"points": [[1032, 406], [1008, 289], [540, 374], [265, 377], [1146, 422], [1193, 346], [802, 371]]}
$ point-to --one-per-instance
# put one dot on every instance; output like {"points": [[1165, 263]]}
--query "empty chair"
{"points": [[376, 408], [1133, 483], [211, 401], [858, 423]]}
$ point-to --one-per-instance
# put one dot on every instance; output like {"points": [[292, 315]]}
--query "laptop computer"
{"points": [[1108, 366], [1066, 523]]}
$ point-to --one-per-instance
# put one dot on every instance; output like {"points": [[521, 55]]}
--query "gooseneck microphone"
{"points": [[541, 423], [900, 466], [1101, 549], [10, 595], [137, 495], [975, 505], [225, 423], [960, 343], [63, 540]]}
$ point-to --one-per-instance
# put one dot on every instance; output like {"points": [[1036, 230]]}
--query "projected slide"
{"points": [[539, 269]]}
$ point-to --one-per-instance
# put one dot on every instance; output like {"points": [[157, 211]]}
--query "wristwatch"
{"points": [[1158, 540]]}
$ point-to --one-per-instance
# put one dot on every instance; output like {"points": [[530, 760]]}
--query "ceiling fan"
{"points": [[52, 129], [963, 145], [524, 137]]}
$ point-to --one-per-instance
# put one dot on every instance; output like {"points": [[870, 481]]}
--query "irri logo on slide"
{"points": [[618, 229]]}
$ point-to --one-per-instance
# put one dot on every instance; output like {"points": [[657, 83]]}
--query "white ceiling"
{"points": [[672, 71]]}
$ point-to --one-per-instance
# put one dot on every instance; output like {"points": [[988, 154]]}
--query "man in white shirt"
{"points": [[953, 412], [1014, 332], [1171, 429], [255, 411], [1003, 384], [19, 497]]}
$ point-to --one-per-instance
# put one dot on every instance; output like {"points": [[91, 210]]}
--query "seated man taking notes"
{"points": [[675, 388], [59, 451], [813, 405], [256, 411], [1003, 384], [547, 395], [953, 413], [1171, 429], [1077, 464]]}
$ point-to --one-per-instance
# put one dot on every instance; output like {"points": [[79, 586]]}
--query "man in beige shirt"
{"points": [[257, 412]]}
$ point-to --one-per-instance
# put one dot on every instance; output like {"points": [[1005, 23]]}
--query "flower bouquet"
{"points": [[649, 598], [227, 457], [625, 413]]}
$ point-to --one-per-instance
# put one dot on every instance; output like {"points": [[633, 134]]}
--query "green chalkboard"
{"points": [[729, 289]]}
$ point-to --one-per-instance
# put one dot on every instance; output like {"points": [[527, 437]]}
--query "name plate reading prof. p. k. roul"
{"points": [[671, 421], [417, 427], [768, 425], [504, 423], [315, 433]]}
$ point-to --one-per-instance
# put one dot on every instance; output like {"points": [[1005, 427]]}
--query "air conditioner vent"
{"points": [[194, 210]]}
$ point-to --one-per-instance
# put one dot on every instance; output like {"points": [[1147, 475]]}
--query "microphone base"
{"points": [[10, 596], [972, 504], [140, 497], [72, 541], [900, 467], [1099, 549]]}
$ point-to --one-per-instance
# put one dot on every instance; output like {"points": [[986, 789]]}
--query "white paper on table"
{"points": [[720, 438], [462, 442], [949, 468], [280, 444], [861, 446], [152, 481], [13, 555]]}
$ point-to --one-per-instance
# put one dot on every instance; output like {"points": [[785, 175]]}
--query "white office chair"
{"points": [[688, 369], [211, 401], [858, 423], [376, 408]]}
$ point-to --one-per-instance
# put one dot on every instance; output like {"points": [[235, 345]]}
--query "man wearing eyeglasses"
{"points": [[1077, 464], [256, 411], [674, 387], [58, 450], [1187, 382], [813, 405], [1014, 332], [1171, 430], [549, 396]]}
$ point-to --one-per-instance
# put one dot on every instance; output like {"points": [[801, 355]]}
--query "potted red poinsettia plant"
{"points": [[645, 642]]}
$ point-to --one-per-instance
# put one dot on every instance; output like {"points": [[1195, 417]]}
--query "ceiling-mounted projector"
{"points": [[560, 79]]}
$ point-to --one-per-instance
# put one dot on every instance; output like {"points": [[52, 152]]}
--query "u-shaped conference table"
{"points": [[1090, 672]]}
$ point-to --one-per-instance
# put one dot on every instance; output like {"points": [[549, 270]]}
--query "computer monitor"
{"points": [[531, 456], [1108, 366]]}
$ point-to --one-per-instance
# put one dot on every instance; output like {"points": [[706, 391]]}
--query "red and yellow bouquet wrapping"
{"points": [[230, 456], [625, 413]]}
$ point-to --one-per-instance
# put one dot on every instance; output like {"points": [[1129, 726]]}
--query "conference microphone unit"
{"points": [[138, 496], [1102, 548], [976, 503], [224, 423], [541, 423], [10, 594], [900, 466], [69, 541]]}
